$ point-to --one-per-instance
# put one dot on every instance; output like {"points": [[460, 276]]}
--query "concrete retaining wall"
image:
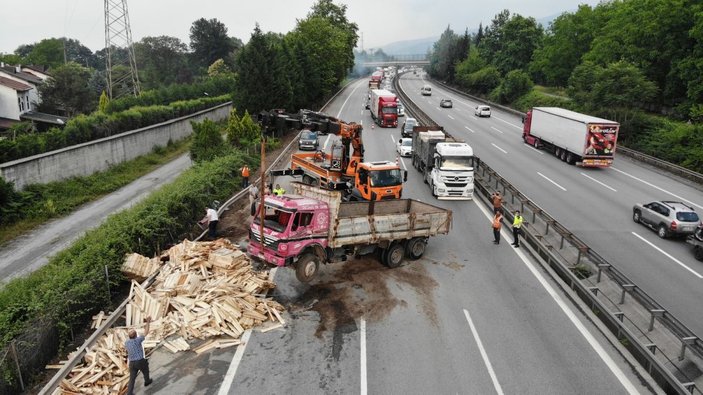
{"points": [[98, 155]]}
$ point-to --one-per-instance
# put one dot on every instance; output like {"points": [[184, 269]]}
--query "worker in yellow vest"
{"points": [[517, 228], [278, 191]]}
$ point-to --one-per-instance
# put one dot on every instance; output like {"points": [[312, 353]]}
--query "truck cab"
{"points": [[452, 176], [381, 180]]}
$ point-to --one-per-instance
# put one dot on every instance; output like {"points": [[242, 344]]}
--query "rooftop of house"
{"points": [[31, 78], [16, 85]]}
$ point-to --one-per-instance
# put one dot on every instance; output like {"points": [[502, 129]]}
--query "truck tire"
{"points": [[570, 158], [307, 179], [306, 268], [698, 252], [415, 248], [394, 255], [563, 155]]}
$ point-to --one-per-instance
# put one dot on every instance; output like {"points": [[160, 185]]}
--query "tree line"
{"points": [[616, 58]]}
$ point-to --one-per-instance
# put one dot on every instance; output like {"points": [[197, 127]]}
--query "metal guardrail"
{"points": [[117, 314], [604, 292]]}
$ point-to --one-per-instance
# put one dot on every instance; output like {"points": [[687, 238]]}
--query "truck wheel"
{"points": [[416, 248], [698, 253], [394, 255], [570, 158], [307, 179], [306, 268], [536, 143], [662, 232]]}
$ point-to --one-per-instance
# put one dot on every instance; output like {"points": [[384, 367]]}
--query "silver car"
{"points": [[667, 218]]}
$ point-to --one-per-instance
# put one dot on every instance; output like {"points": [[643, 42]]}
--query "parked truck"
{"points": [[314, 226], [384, 108], [575, 138], [446, 164]]}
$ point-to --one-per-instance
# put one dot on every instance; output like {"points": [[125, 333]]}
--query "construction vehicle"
{"points": [[446, 164], [314, 226], [575, 138], [343, 168]]}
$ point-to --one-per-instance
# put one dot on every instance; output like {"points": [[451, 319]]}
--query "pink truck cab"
{"points": [[315, 226]]}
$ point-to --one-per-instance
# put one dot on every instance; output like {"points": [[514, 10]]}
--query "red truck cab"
{"points": [[292, 223]]}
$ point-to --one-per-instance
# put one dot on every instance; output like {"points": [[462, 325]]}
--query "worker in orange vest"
{"points": [[497, 218], [245, 176]]}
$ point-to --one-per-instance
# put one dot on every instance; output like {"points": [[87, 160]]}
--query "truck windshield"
{"points": [[457, 163], [390, 110], [275, 219], [386, 178]]}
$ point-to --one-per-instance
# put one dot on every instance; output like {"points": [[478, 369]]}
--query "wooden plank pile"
{"points": [[204, 290]]}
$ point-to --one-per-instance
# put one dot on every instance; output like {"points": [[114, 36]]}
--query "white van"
{"points": [[426, 90]]}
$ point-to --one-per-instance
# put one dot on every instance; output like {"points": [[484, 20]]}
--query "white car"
{"points": [[482, 111], [404, 146]]}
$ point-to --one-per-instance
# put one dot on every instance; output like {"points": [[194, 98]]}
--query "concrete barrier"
{"points": [[98, 155]]}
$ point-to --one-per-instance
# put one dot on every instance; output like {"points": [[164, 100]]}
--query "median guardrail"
{"points": [[626, 310]]}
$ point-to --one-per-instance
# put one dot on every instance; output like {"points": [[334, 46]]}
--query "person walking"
{"points": [[497, 223], [278, 191], [135, 357], [245, 176], [497, 200], [211, 219], [253, 196], [517, 228]]}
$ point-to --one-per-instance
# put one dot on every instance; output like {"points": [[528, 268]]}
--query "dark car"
{"points": [[308, 140], [445, 103]]}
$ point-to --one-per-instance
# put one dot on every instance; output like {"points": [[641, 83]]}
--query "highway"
{"points": [[595, 204], [469, 317]]}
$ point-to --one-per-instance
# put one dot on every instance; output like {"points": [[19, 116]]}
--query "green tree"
{"points": [[442, 55], [515, 84], [103, 102], [336, 16], [218, 68], [491, 41], [68, 90], [47, 52], [510, 41], [209, 41], [207, 141], [162, 61], [243, 131]]}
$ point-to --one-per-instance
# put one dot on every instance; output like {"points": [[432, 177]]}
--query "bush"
{"points": [[535, 98], [482, 81], [208, 142], [515, 84]]}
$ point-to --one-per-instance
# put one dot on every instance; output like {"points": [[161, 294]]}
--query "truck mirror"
{"points": [[405, 175]]}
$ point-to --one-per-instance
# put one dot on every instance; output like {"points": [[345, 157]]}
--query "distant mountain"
{"points": [[422, 45]]}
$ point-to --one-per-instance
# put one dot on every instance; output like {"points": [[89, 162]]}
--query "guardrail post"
{"points": [[689, 386], [601, 266], [651, 347], [17, 363], [685, 342], [620, 316], [626, 288], [655, 313]]}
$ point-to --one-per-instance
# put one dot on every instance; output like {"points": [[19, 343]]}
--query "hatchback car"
{"points": [[445, 103], [308, 140], [407, 130], [482, 111], [401, 109], [667, 218], [404, 146]]}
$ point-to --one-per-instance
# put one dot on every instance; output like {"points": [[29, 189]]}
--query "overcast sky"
{"points": [[381, 22]]}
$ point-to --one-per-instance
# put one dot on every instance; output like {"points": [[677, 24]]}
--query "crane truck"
{"points": [[343, 168], [314, 226], [575, 138], [446, 164], [384, 108]]}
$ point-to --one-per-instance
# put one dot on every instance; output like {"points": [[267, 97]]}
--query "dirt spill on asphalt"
{"points": [[361, 288]]}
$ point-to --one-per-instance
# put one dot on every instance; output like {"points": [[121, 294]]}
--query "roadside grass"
{"points": [[44, 202]]}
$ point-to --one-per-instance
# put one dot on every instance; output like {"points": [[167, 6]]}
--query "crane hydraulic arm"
{"points": [[350, 133]]}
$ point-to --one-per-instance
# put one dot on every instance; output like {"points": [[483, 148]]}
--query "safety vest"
{"points": [[279, 191], [517, 221], [245, 171]]}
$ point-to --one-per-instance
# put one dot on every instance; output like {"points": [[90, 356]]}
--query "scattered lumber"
{"points": [[203, 290]]}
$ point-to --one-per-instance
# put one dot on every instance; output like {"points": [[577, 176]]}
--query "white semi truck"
{"points": [[446, 164]]}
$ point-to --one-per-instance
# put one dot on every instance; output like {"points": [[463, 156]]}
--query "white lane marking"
{"points": [[533, 148], [450, 116], [238, 355], [593, 179], [362, 333], [484, 355], [327, 140], [474, 117], [497, 130], [499, 149], [537, 273], [656, 187], [668, 256], [502, 120], [469, 129], [349, 97], [548, 179]]}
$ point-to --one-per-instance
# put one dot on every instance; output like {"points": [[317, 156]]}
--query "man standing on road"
{"points": [[245, 176], [517, 228], [497, 218], [135, 357], [497, 201], [210, 219]]}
